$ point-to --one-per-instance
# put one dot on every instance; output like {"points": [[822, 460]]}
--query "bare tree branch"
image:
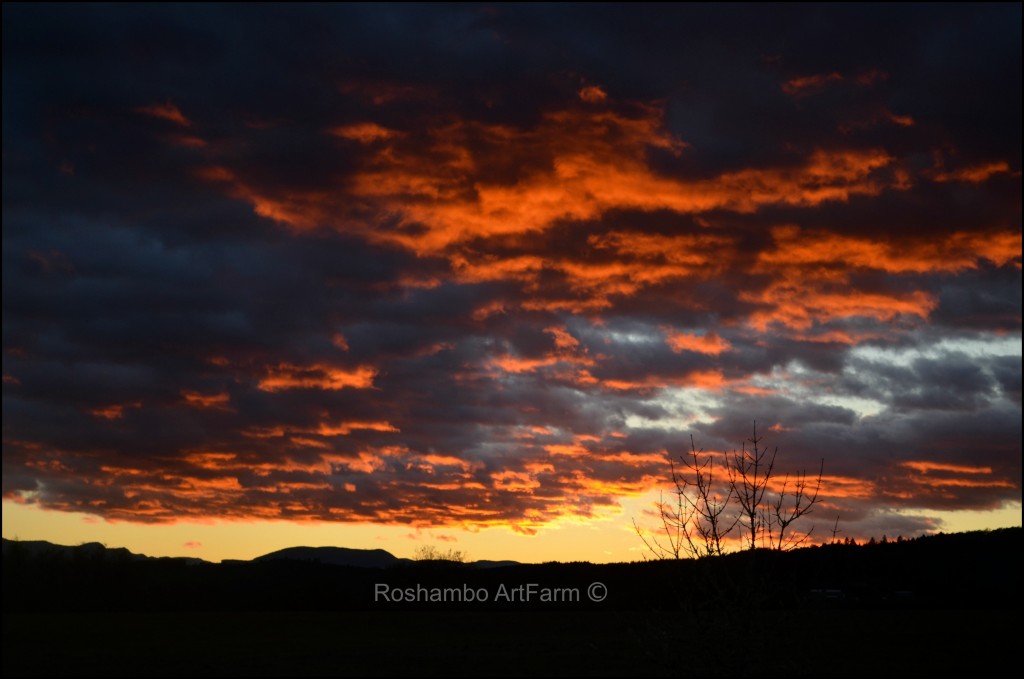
{"points": [[801, 500], [749, 473], [706, 509]]}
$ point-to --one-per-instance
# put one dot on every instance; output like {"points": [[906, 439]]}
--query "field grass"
{"points": [[459, 643]]}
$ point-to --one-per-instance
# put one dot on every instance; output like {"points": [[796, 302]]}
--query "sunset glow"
{"points": [[475, 274]]}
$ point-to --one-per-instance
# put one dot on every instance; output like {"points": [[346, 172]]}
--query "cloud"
{"points": [[974, 174], [708, 343], [433, 274], [166, 111], [364, 133], [804, 85], [316, 376], [593, 94]]}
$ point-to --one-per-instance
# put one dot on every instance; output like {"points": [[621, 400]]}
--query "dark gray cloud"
{"points": [[483, 265]]}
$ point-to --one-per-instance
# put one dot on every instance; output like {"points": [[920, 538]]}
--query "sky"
{"points": [[470, 275]]}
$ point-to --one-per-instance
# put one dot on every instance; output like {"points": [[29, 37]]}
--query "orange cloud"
{"points": [[953, 252], [592, 94], [310, 443], [197, 400], [643, 260], [924, 466], [299, 210], [708, 343], [590, 180], [215, 173], [598, 161], [576, 164], [513, 364], [188, 141], [974, 174], [210, 460], [568, 449], [567, 353], [811, 83], [345, 428], [811, 271], [316, 376], [633, 459], [564, 342], [114, 412], [364, 133], [901, 120], [968, 483], [516, 482], [698, 379], [799, 306], [166, 111], [836, 337], [848, 487]]}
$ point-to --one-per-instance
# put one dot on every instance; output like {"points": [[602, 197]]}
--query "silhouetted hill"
{"points": [[92, 611], [41, 549], [362, 558], [977, 569], [332, 556], [335, 556]]}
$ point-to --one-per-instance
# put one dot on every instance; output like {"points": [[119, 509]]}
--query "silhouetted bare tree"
{"points": [[766, 513], [749, 474], [706, 509], [696, 524]]}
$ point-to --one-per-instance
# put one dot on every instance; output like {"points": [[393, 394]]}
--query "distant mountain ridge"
{"points": [[333, 556], [968, 572], [336, 556], [361, 558], [86, 550]]}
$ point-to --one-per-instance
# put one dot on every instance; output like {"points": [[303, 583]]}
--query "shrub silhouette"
{"points": [[432, 553]]}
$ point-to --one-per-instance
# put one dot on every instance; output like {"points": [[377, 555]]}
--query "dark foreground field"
{"points": [[462, 643], [940, 606]]}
